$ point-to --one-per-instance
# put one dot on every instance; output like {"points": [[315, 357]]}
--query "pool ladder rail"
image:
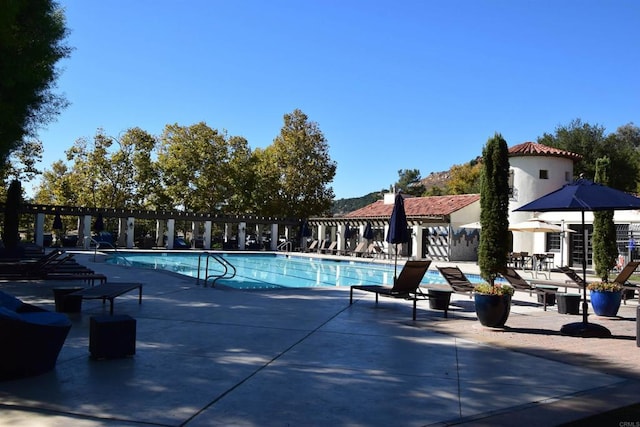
{"points": [[228, 273]]}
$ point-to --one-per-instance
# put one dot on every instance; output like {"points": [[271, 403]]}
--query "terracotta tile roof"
{"points": [[416, 207], [535, 149]]}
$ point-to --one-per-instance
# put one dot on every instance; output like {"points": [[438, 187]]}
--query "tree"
{"points": [[409, 182], [296, 170], [31, 35], [465, 179], [605, 248], [592, 143], [494, 209], [203, 170]]}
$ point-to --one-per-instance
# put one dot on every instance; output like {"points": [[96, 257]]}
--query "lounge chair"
{"points": [[360, 250], [520, 284], [457, 280], [406, 286], [575, 280], [622, 279], [312, 247], [331, 249]]}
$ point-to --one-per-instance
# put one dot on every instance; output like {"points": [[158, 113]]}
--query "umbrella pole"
{"points": [[395, 268], [585, 306]]}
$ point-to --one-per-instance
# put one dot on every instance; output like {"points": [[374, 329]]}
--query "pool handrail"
{"points": [[222, 261]]}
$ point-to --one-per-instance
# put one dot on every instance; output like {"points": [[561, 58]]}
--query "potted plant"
{"points": [[493, 304], [493, 301], [605, 298]]}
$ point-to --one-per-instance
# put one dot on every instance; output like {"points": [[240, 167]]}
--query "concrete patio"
{"points": [[222, 357]]}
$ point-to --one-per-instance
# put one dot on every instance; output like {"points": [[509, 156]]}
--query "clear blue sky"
{"points": [[392, 84]]}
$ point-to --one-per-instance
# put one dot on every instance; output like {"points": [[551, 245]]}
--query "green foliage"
{"points": [[409, 182], [605, 249], [487, 289], [31, 34], [604, 287], [465, 179], [295, 171], [11, 215], [343, 206], [591, 142], [494, 209]]}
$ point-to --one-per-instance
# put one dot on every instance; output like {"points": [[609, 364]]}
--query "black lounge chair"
{"points": [[31, 337], [457, 280], [520, 284], [406, 286]]}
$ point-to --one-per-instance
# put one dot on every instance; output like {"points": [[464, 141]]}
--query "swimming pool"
{"points": [[271, 270]]}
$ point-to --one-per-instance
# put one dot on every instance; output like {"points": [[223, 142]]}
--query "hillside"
{"points": [[343, 206]]}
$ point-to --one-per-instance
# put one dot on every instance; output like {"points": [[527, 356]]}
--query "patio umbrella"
{"points": [[398, 225], [368, 232], [536, 225], [347, 231], [581, 196], [57, 222], [305, 232], [98, 226]]}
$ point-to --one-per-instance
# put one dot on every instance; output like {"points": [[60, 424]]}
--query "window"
{"points": [[510, 182], [544, 174]]}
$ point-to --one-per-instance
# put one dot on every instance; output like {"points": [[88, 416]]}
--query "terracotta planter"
{"points": [[492, 310], [605, 303]]}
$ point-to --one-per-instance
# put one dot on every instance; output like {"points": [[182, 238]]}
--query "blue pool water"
{"points": [[269, 271]]}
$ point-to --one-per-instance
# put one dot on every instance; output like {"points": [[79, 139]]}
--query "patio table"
{"points": [[110, 291]]}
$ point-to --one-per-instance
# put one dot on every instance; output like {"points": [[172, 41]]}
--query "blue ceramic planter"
{"points": [[605, 303], [492, 310]]}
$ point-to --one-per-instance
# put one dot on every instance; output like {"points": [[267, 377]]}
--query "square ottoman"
{"points": [[112, 336]]}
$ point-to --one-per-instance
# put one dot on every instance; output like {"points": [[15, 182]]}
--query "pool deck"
{"points": [[222, 357]]}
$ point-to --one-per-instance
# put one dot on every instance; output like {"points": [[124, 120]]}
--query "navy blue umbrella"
{"points": [[581, 196], [305, 231], [368, 232], [398, 228], [347, 231], [57, 222], [98, 226]]}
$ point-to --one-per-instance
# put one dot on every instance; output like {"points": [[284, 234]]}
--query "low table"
{"points": [[109, 291]]}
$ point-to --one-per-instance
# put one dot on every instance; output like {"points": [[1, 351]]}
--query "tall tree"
{"points": [[494, 209], [298, 169], [409, 182], [203, 170], [591, 142], [31, 43], [465, 179], [605, 248]]}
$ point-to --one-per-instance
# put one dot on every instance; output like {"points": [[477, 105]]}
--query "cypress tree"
{"points": [[605, 248], [494, 209]]}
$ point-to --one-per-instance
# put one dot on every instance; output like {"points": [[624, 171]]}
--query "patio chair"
{"points": [[520, 284], [457, 280], [360, 250], [312, 247], [406, 286], [31, 337], [575, 280], [331, 249], [622, 279]]}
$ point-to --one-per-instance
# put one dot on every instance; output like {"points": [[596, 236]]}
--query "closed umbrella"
{"points": [[57, 222], [368, 232], [98, 226], [398, 228], [581, 196]]}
